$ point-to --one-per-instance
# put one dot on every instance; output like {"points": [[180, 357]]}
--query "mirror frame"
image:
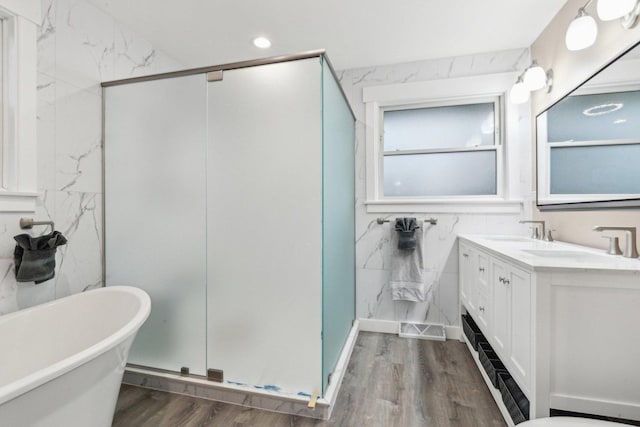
{"points": [[587, 204]]}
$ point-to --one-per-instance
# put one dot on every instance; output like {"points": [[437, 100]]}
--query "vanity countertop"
{"points": [[541, 255]]}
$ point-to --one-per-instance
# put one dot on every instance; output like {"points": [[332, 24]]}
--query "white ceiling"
{"points": [[356, 33]]}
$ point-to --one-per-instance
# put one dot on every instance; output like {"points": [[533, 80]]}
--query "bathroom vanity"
{"points": [[563, 319]]}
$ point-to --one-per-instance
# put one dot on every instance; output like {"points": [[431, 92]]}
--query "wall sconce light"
{"points": [[583, 30], [519, 93], [533, 78], [608, 10]]}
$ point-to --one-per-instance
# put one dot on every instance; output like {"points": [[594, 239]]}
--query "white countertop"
{"points": [[540, 255]]}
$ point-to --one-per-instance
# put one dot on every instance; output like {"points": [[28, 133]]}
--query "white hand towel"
{"points": [[407, 271]]}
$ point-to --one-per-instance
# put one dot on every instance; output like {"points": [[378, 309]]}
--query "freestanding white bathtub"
{"points": [[61, 363]]}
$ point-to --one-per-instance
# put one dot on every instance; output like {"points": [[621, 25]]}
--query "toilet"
{"points": [[567, 422]]}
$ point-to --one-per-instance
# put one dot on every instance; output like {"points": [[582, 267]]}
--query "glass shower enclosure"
{"points": [[229, 198]]}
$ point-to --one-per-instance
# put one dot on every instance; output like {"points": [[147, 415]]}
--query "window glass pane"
{"points": [[601, 117], [439, 127], [595, 169], [467, 173]]}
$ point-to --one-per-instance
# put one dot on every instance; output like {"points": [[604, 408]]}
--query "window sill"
{"points": [[17, 201], [484, 206]]}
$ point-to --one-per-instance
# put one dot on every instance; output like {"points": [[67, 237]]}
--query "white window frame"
{"points": [[18, 187], [544, 155], [456, 91]]}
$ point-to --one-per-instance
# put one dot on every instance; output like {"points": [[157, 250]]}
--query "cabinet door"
{"points": [[483, 292], [484, 312], [467, 277], [482, 273], [519, 283], [501, 312]]}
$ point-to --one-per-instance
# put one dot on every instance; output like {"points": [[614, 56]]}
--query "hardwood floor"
{"points": [[390, 381]]}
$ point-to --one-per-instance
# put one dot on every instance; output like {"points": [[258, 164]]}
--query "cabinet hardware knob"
{"points": [[506, 281], [465, 255], [481, 269], [501, 279], [481, 309]]}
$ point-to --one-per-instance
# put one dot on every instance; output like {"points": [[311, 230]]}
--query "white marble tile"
{"points": [[46, 117], [373, 295], [79, 218], [372, 246], [134, 56], [78, 139], [47, 39], [8, 287], [449, 298], [84, 44]]}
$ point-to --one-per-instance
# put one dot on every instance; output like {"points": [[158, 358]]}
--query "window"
{"points": [[440, 146], [441, 150], [19, 31]]}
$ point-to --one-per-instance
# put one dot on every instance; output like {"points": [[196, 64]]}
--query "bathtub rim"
{"points": [[29, 382]]}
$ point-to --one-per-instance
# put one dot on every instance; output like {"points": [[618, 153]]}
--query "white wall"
{"points": [[373, 250], [78, 47]]}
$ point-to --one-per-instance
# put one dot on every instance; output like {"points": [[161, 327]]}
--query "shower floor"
{"points": [[390, 381]]}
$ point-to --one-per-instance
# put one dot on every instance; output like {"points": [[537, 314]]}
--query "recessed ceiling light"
{"points": [[262, 42]]}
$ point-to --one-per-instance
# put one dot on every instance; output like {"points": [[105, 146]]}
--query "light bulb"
{"points": [[519, 93], [262, 42], [535, 77], [608, 10], [582, 32]]}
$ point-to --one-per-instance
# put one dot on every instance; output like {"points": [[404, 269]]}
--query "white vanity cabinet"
{"points": [[563, 319], [498, 296]]}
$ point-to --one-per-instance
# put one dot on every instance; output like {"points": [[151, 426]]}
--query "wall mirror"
{"points": [[588, 143]]}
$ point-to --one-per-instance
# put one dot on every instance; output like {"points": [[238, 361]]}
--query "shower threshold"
{"points": [[246, 395]]}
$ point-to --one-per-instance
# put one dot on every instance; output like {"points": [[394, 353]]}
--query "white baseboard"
{"points": [[392, 327], [380, 326]]}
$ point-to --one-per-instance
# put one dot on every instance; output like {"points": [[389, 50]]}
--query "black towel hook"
{"points": [[28, 223]]}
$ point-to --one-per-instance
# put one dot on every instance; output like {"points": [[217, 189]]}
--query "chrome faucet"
{"points": [[535, 235], [630, 248]]}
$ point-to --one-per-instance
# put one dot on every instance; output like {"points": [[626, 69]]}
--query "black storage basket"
{"points": [[514, 399], [472, 331], [490, 362]]}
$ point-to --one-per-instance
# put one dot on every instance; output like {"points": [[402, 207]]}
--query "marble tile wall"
{"points": [[79, 46], [373, 251]]}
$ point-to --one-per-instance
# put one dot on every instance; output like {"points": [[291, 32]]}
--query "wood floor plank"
{"points": [[389, 382]]}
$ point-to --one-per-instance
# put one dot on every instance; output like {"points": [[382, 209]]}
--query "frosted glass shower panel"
{"points": [[441, 174], [264, 198], [455, 126], [596, 169], [155, 136], [338, 238]]}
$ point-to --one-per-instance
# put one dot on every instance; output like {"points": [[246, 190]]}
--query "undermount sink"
{"points": [[555, 253], [508, 238]]}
